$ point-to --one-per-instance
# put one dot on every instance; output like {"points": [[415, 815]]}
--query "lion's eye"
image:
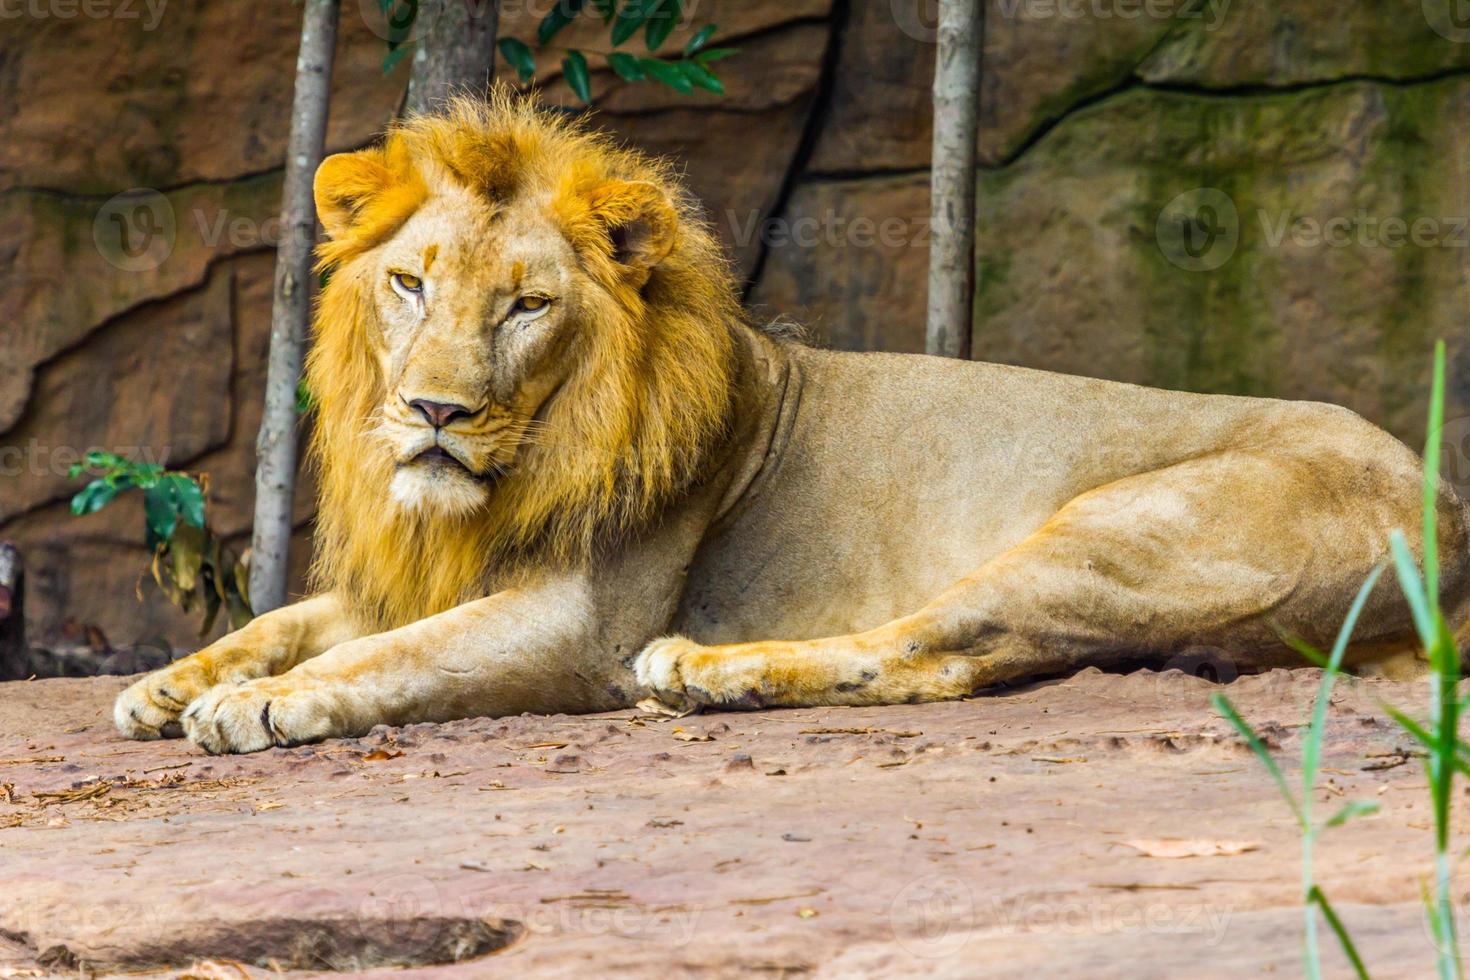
{"points": [[530, 304], [405, 283]]}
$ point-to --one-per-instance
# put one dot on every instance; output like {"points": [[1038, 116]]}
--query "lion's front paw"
{"points": [[259, 714], [150, 708]]}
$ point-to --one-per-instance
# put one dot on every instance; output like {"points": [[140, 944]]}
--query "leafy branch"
{"points": [[191, 564], [655, 19]]}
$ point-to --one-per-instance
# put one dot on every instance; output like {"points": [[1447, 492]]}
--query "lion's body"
{"points": [[548, 441]]}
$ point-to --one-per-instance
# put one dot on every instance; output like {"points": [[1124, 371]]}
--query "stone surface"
{"points": [[1075, 274], [850, 260], [986, 837]]}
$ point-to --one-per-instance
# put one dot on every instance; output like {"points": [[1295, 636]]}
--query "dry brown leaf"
{"points": [[1163, 847], [271, 805], [380, 755], [548, 745], [657, 709], [684, 736]]}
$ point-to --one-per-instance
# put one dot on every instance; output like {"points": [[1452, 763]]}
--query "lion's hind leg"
{"points": [[1220, 552]]}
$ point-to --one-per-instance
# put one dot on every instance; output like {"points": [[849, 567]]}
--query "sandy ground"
{"points": [[980, 838]]}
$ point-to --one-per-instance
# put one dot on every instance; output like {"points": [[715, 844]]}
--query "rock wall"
{"points": [[1241, 125]]}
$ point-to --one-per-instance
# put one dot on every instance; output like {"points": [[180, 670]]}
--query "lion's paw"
{"points": [[150, 707], [258, 714], [658, 671]]}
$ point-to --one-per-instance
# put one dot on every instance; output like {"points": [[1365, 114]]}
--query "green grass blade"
{"points": [[1431, 476], [1413, 588], [1348, 948], [1422, 735], [1228, 712], [1312, 746], [1353, 808]]}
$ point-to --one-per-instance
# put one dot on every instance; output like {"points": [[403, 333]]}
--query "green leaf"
{"points": [[394, 57], [605, 9], [714, 54], [626, 66], [629, 19], [160, 512], [575, 67], [93, 497], [190, 498], [560, 16], [703, 77], [304, 400], [661, 23], [1228, 712], [518, 55], [1353, 808], [668, 73], [74, 471], [700, 39], [1348, 949]]}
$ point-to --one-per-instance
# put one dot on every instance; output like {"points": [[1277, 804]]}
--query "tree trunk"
{"points": [[275, 474], [12, 613], [952, 178], [456, 52]]}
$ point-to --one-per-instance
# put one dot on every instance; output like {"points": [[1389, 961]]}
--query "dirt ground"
{"points": [[985, 838]]}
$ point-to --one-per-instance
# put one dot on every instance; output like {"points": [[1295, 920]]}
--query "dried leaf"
{"points": [[1162, 847], [684, 736], [380, 755]]}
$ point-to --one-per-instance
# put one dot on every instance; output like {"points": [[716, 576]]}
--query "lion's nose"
{"points": [[439, 414]]}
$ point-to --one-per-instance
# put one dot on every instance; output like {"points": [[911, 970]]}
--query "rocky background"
{"points": [[1217, 196]]}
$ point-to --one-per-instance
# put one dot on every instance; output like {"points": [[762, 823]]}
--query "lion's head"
{"points": [[524, 346]]}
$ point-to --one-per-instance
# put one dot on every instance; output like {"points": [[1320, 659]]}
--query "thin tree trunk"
{"points": [[456, 52], [275, 473], [952, 179], [12, 613]]}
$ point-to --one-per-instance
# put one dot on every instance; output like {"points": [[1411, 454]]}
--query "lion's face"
{"points": [[476, 316], [526, 346], [478, 309]]}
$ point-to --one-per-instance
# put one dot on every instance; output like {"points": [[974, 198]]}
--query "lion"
{"points": [[561, 471]]}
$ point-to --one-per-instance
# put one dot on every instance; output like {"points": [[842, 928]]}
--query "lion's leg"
{"points": [[525, 649], [1217, 552], [268, 645]]}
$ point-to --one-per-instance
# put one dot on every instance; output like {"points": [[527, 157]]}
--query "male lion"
{"points": [[559, 471]]}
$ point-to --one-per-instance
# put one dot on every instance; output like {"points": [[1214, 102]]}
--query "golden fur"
{"points": [[520, 504], [647, 400]]}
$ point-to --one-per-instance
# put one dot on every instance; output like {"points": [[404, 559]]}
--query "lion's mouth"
{"points": [[438, 454]]}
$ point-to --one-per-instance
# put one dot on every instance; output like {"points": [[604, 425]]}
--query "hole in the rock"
{"points": [[342, 945]]}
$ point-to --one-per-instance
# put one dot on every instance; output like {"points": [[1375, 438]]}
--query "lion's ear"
{"points": [[346, 183], [639, 221]]}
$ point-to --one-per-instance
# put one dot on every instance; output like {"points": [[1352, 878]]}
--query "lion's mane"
{"points": [[631, 428]]}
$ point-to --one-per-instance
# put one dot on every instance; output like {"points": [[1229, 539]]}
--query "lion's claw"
{"points": [[260, 714]]}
